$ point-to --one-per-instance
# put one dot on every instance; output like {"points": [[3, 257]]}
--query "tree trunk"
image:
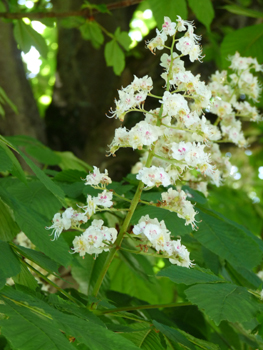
{"points": [[13, 81]]}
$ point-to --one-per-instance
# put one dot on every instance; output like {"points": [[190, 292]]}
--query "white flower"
{"points": [[104, 199], [96, 178], [95, 239], [154, 176], [60, 223], [168, 26], [158, 42]]}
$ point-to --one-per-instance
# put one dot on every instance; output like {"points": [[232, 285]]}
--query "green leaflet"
{"points": [[179, 274], [91, 30], [26, 37], [11, 266], [170, 8], [25, 278], [114, 56], [224, 302], [123, 38], [174, 335], [238, 10], [38, 258], [33, 225], [5, 161], [85, 271], [247, 41], [204, 11], [146, 339], [16, 169], [36, 196], [8, 227], [47, 182]]}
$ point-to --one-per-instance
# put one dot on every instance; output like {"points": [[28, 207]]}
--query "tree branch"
{"points": [[86, 12]]}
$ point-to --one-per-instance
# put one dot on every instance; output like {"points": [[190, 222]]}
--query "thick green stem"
{"points": [[143, 307]]}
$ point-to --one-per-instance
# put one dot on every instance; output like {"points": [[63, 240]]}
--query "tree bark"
{"points": [[84, 91], [13, 80]]}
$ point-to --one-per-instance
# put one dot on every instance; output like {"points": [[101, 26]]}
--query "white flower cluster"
{"points": [[103, 199], [158, 236], [131, 96], [96, 178], [69, 218], [95, 239], [227, 91], [176, 201]]}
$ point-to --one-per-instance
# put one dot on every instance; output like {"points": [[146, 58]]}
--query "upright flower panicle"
{"points": [[178, 144]]}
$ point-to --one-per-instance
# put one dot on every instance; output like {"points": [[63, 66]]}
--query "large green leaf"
{"points": [[5, 161], [204, 11], [47, 182], [91, 30], [174, 335], [145, 337], [227, 240], [170, 8], [123, 38], [223, 302], [172, 222], [33, 225], [16, 169], [26, 37], [29, 327], [40, 319], [242, 11], [25, 278], [114, 56], [247, 41], [86, 271], [8, 227], [10, 263], [152, 290], [179, 274], [36, 196], [38, 258]]}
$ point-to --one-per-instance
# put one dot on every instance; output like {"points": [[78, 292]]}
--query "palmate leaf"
{"points": [[224, 301], [179, 274], [228, 240], [40, 319]]}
